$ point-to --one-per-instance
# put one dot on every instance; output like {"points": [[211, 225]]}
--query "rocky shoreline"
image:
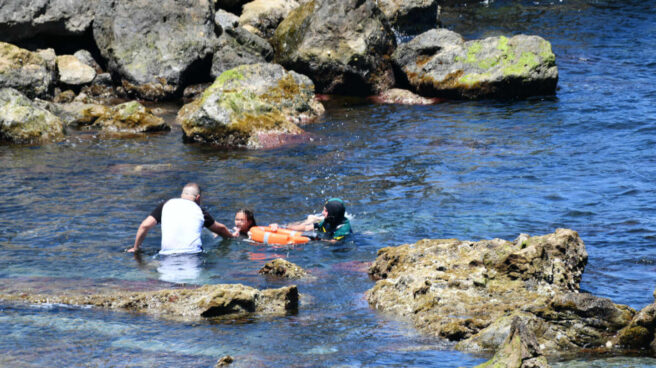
{"points": [[252, 67]]}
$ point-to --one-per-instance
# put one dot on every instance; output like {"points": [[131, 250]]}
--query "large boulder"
{"points": [[440, 63], [72, 71], [21, 19], [410, 16], [21, 121], [207, 301], [264, 16], [153, 48], [237, 46], [470, 291], [130, 117], [254, 106], [32, 73], [343, 45], [282, 268]]}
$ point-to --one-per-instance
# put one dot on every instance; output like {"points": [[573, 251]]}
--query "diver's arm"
{"points": [[147, 224]]}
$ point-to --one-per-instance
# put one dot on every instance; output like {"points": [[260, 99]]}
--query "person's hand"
{"points": [[235, 232], [314, 218], [274, 227], [132, 250]]}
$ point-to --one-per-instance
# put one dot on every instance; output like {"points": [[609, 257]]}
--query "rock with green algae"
{"points": [[254, 106], [31, 73], [75, 114], [440, 63], [23, 121], [468, 291], [519, 350], [640, 334], [344, 46], [264, 16], [130, 117], [207, 301], [282, 268]]}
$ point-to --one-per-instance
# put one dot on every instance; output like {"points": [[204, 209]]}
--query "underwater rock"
{"points": [[282, 268], [22, 121], [207, 301], [344, 46], [255, 106], [469, 291], [410, 16], [440, 63], [131, 117], [31, 73], [21, 20], [74, 72], [224, 361], [519, 350], [266, 15], [402, 97], [237, 46], [154, 47]]}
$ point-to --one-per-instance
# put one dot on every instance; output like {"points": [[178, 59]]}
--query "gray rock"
{"points": [[22, 121], [153, 47], [130, 117], [237, 46], [20, 20], [265, 15], [32, 73], [74, 72], [282, 268], [344, 46], [85, 57], [439, 63], [519, 350], [255, 106], [402, 97], [74, 114], [226, 20], [410, 16]]}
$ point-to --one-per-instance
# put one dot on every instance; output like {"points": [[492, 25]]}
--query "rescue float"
{"points": [[266, 235]]}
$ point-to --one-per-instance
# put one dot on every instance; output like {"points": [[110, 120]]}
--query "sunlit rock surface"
{"points": [[410, 16], [72, 71], [283, 268], [519, 350], [440, 63], [22, 121], [207, 301], [31, 73], [255, 106], [130, 117], [470, 291], [344, 46]]}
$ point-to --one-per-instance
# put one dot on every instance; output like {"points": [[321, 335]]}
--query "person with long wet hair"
{"points": [[244, 220]]}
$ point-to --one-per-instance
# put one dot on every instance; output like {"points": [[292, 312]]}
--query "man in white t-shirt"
{"points": [[182, 222]]}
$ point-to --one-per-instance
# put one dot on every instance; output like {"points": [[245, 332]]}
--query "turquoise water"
{"points": [[583, 159]]}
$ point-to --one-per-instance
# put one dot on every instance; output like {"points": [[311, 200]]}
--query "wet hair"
{"points": [[336, 211], [191, 189], [250, 217]]}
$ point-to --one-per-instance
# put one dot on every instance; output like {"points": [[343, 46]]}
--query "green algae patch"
{"points": [[473, 51], [526, 62]]}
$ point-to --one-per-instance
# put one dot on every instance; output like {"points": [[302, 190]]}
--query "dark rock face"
{"points": [[471, 291], [342, 45], [237, 46], [410, 16], [154, 47], [22, 121], [254, 106], [440, 63], [21, 19]]}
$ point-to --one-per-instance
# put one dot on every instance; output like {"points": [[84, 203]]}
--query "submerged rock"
{"points": [[207, 301], [283, 268], [22, 121], [470, 291], [154, 47], [32, 73], [20, 20], [410, 16], [251, 106], [440, 63], [131, 117], [519, 350], [344, 46], [403, 97], [224, 361]]}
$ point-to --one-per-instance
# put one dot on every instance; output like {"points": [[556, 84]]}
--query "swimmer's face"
{"points": [[324, 213], [241, 221]]}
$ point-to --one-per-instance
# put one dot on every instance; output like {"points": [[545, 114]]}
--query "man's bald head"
{"points": [[191, 191]]}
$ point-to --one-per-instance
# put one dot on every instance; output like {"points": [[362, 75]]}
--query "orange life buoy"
{"points": [[264, 234]]}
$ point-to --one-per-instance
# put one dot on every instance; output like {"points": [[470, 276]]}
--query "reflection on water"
{"points": [[470, 169]]}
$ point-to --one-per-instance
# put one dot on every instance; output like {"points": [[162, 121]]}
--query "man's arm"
{"points": [[220, 229], [147, 224]]}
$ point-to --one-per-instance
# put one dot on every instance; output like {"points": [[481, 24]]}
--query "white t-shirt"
{"points": [[182, 223]]}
